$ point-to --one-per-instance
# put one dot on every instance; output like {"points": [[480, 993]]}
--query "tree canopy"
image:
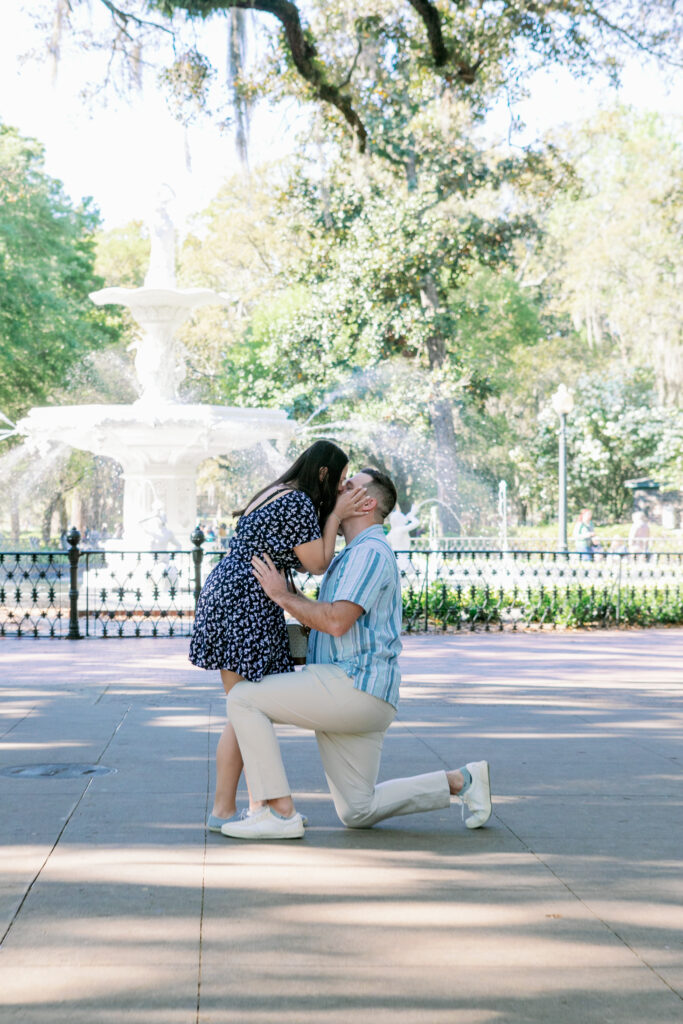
{"points": [[348, 58], [391, 312], [47, 254], [611, 255]]}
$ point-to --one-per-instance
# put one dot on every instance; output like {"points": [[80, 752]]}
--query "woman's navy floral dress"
{"points": [[237, 627]]}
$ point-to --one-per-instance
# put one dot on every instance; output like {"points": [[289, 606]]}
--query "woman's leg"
{"points": [[228, 760]]}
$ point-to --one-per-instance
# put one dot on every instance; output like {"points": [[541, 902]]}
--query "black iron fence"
{"points": [[535, 589], [79, 593]]}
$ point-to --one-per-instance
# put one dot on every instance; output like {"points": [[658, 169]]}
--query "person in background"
{"points": [[584, 534], [238, 629], [639, 534]]}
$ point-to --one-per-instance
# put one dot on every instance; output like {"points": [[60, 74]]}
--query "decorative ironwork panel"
{"points": [[134, 594], [34, 593], [137, 593]]}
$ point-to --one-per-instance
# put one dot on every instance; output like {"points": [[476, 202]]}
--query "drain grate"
{"points": [[55, 771]]}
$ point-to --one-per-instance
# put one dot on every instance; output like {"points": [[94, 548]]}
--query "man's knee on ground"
{"points": [[358, 815]]}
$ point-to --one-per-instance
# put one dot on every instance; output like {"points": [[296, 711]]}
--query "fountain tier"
{"points": [[159, 448]]}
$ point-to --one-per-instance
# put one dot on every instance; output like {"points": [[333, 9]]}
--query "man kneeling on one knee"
{"points": [[347, 693]]}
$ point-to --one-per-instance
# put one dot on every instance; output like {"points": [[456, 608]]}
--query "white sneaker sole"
{"points": [[295, 830], [479, 818]]}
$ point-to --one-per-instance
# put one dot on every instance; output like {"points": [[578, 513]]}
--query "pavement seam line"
{"points": [[61, 831], [47, 857], [590, 910], [19, 721], [111, 738], [206, 842]]}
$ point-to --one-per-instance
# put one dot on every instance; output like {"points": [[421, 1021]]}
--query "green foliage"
{"points": [[122, 255], [370, 302], [187, 80], [47, 321], [571, 607], [395, 296], [616, 432], [239, 246], [612, 257]]}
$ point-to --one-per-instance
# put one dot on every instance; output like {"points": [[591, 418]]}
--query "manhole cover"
{"points": [[55, 771]]}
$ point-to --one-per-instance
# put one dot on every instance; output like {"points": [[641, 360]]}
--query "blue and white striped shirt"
{"points": [[365, 573]]}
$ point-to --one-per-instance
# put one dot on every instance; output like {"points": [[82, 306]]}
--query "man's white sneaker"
{"points": [[263, 824], [478, 797]]}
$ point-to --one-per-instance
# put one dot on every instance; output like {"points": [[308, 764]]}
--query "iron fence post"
{"points": [[73, 537], [621, 557], [197, 537], [427, 593]]}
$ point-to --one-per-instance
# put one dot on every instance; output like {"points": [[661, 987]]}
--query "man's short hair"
{"points": [[382, 489]]}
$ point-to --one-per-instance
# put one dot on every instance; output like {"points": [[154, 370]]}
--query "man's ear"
{"points": [[370, 504]]}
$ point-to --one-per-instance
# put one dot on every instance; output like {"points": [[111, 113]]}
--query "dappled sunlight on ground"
{"points": [[117, 905]]}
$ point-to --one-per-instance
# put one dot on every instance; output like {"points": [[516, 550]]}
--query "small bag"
{"points": [[296, 633], [298, 642]]}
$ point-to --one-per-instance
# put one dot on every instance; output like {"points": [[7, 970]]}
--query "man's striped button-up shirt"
{"points": [[365, 573]]}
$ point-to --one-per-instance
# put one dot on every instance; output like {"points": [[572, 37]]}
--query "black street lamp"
{"points": [[563, 403]]}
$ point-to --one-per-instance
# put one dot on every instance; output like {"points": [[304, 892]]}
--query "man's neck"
{"points": [[351, 528]]}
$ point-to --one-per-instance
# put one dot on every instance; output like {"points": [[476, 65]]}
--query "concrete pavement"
{"points": [[116, 906]]}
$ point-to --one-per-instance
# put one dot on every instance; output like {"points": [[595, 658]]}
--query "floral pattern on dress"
{"points": [[237, 627]]}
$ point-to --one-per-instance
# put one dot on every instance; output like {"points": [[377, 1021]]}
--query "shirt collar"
{"points": [[371, 531]]}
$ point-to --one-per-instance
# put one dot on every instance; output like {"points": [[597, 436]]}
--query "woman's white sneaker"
{"points": [[263, 824], [478, 797]]}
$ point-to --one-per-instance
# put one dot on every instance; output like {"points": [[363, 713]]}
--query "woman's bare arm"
{"points": [[316, 555]]}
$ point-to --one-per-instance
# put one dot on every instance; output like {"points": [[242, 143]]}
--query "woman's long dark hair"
{"points": [[304, 475]]}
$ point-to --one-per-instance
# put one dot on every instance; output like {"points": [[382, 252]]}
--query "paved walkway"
{"points": [[117, 907]]}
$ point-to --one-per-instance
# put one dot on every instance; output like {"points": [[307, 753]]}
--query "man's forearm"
{"points": [[324, 616], [333, 617]]}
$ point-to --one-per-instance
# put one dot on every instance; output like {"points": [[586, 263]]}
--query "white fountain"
{"points": [[158, 440]]}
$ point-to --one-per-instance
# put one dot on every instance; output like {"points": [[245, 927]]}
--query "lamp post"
{"points": [[562, 403]]}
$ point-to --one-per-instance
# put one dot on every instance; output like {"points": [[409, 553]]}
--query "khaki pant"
{"points": [[349, 726]]}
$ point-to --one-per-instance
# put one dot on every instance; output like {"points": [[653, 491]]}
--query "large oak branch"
{"points": [[301, 47]]}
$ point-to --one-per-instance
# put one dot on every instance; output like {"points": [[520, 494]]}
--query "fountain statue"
{"points": [[161, 270], [158, 440], [400, 525]]}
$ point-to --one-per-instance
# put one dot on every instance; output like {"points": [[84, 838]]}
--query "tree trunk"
{"points": [[15, 524], [46, 530], [63, 518], [441, 415], [397, 471]]}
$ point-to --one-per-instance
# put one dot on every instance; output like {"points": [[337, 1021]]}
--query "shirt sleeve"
{"points": [[362, 576]]}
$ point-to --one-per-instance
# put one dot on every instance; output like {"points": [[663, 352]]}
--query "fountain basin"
{"points": [[159, 446]]}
